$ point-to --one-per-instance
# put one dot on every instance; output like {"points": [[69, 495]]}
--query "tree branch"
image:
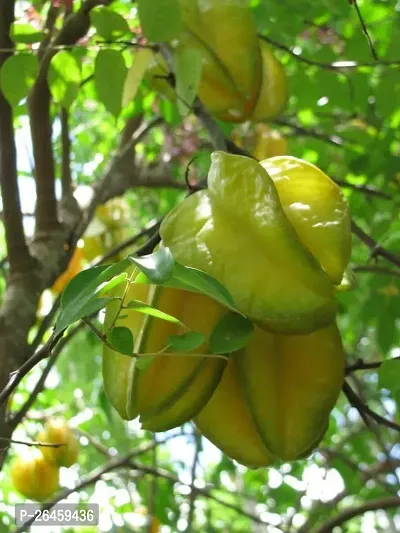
{"points": [[374, 246], [352, 512], [18, 254], [365, 30], [17, 376], [365, 411], [337, 66], [192, 497], [66, 178], [361, 365], [18, 417]]}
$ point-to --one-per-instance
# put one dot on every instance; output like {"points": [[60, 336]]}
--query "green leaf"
{"points": [[389, 375], [231, 333], [109, 78], [17, 75], [135, 75], [114, 282], [25, 33], [160, 19], [187, 68], [64, 77], [141, 307], [92, 306], [121, 339], [109, 24], [79, 297], [203, 283], [158, 266], [186, 342], [193, 280]]}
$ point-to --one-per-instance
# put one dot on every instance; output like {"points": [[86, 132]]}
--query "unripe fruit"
{"points": [[56, 431], [34, 477]]}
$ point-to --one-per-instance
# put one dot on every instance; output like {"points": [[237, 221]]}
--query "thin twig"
{"points": [[373, 245], [365, 30], [362, 365], [337, 66], [352, 512], [376, 269], [33, 443], [365, 411], [18, 417], [192, 498], [17, 376]]}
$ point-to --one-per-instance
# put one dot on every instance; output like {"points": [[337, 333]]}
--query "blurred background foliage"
{"points": [[344, 116]]}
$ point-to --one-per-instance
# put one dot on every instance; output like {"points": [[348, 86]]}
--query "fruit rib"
{"points": [[291, 384], [238, 225], [226, 421]]}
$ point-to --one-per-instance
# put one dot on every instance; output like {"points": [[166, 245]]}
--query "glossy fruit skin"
{"points": [[260, 140], [291, 384], [227, 422], [231, 66], [316, 208], [241, 79], [269, 143], [172, 389], [34, 477], [273, 93], [57, 431], [238, 225]]}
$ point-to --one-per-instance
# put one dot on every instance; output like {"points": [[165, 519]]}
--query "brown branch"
{"points": [[362, 365], [192, 497], [18, 417], [17, 376], [364, 188], [365, 29], [335, 140], [352, 512], [376, 269], [75, 27], [66, 178], [365, 411], [206, 492], [337, 66], [18, 254], [374, 246], [41, 134], [96, 475]]}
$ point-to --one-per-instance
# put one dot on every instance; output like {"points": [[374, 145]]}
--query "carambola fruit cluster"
{"points": [[276, 235]]}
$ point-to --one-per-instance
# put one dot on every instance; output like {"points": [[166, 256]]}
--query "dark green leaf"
{"points": [[186, 342], [160, 19], [121, 339], [81, 291], [158, 266], [231, 333]]}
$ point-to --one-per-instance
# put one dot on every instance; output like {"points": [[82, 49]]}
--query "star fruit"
{"points": [[238, 232], [171, 389]]}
